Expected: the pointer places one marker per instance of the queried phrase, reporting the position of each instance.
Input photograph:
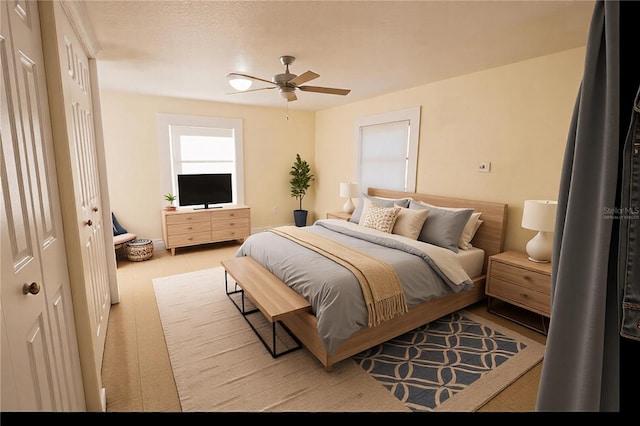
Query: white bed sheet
(472, 260)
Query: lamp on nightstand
(349, 191)
(540, 215)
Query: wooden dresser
(513, 278)
(182, 228)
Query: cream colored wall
(517, 117)
(270, 146)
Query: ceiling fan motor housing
(282, 79)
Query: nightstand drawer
(520, 277)
(522, 296)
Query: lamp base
(348, 206)
(538, 261)
(539, 248)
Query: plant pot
(300, 217)
(170, 208)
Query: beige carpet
(220, 365)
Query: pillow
(357, 215)
(470, 228)
(117, 228)
(478, 223)
(469, 231)
(409, 222)
(443, 227)
(381, 218)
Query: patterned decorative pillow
(381, 218)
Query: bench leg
(242, 307)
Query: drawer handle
(526, 277)
(190, 238)
(191, 227)
(232, 224)
(524, 295)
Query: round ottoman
(139, 250)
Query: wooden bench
(273, 298)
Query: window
(192, 144)
(388, 150)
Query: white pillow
(480, 222)
(469, 231)
(409, 222)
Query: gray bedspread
(426, 272)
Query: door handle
(88, 222)
(95, 209)
(33, 288)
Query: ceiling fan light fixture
(240, 83)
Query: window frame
(170, 124)
(412, 115)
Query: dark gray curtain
(581, 368)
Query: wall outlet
(484, 167)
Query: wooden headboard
(490, 236)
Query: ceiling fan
(286, 83)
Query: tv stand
(183, 228)
(207, 207)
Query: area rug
(219, 364)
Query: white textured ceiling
(185, 48)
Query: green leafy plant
(301, 179)
(170, 198)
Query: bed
(434, 279)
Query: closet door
(40, 358)
(69, 79)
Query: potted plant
(171, 199)
(300, 182)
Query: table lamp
(349, 191)
(540, 215)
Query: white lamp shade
(239, 83)
(539, 215)
(349, 190)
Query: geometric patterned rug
(429, 365)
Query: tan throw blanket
(380, 284)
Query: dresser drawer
(182, 218)
(230, 234)
(222, 225)
(521, 296)
(521, 277)
(189, 239)
(189, 228)
(227, 215)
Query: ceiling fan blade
(329, 90)
(304, 77)
(252, 90)
(235, 74)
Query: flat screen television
(208, 190)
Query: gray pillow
(443, 227)
(382, 202)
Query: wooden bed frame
(490, 238)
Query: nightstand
(520, 282)
(339, 215)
